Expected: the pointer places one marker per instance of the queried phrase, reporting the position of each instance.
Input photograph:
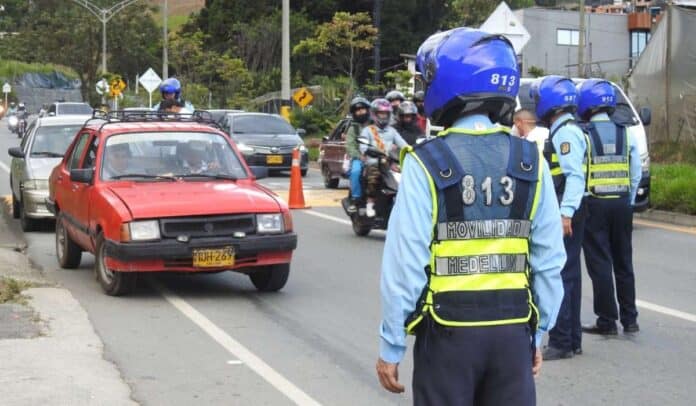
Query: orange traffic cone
(296, 195)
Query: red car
(151, 194)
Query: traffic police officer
(474, 221)
(565, 151)
(614, 174)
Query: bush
(315, 121)
(673, 187)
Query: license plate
(213, 258)
(274, 159)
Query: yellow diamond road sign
(302, 97)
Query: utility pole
(377, 15)
(581, 40)
(165, 42)
(285, 62)
(104, 15)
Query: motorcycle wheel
(359, 228)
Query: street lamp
(104, 15)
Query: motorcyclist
(407, 123)
(12, 110)
(383, 137)
(171, 90)
(395, 98)
(22, 116)
(360, 113)
(419, 101)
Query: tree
(472, 13)
(344, 40)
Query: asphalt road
(212, 339)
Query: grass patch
(668, 152)
(10, 69)
(673, 187)
(11, 290)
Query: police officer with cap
(565, 151)
(474, 221)
(614, 174)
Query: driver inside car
(116, 161)
(193, 155)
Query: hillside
(181, 7)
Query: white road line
(4, 167)
(640, 303)
(666, 310)
(235, 348)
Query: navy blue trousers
(482, 366)
(567, 333)
(609, 258)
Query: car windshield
(156, 156)
(77, 108)
(260, 124)
(54, 140)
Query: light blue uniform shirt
(633, 156)
(571, 163)
(406, 252)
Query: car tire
(112, 282)
(303, 172)
(28, 224)
(329, 182)
(69, 254)
(359, 228)
(15, 206)
(270, 278)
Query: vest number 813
(469, 190)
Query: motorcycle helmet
(468, 71)
(406, 108)
(381, 111)
(553, 94)
(171, 85)
(12, 104)
(358, 103)
(21, 105)
(595, 96)
(395, 95)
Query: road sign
(503, 21)
(150, 80)
(117, 86)
(6, 88)
(102, 86)
(303, 97)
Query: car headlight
(35, 184)
(245, 149)
(302, 148)
(269, 223)
(140, 231)
(645, 163)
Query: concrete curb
(669, 217)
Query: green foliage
(12, 69)
(673, 187)
(536, 72)
(315, 120)
(11, 290)
(472, 13)
(397, 79)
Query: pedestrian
(525, 126)
(614, 174)
(565, 150)
(474, 221)
(360, 118)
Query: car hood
(192, 198)
(40, 168)
(268, 140)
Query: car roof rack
(149, 116)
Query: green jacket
(352, 147)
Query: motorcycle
(384, 201)
(12, 123)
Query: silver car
(41, 150)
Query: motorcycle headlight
(35, 184)
(269, 223)
(13, 120)
(245, 149)
(140, 231)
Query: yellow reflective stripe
(455, 248)
(410, 328)
(433, 191)
(537, 192)
(554, 158)
(484, 281)
(609, 181)
(556, 171)
(402, 154)
(449, 323)
(496, 129)
(610, 167)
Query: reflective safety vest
(483, 206)
(551, 156)
(609, 170)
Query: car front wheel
(329, 182)
(68, 252)
(270, 278)
(113, 283)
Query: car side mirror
(259, 172)
(82, 175)
(645, 115)
(301, 132)
(16, 152)
(325, 138)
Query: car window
(91, 156)
(341, 129)
(260, 124)
(77, 108)
(143, 156)
(76, 154)
(52, 109)
(623, 114)
(53, 140)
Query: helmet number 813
(505, 80)
(469, 190)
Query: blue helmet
(553, 94)
(468, 71)
(171, 85)
(595, 95)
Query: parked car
(625, 114)
(42, 148)
(331, 154)
(174, 195)
(69, 108)
(266, 140)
